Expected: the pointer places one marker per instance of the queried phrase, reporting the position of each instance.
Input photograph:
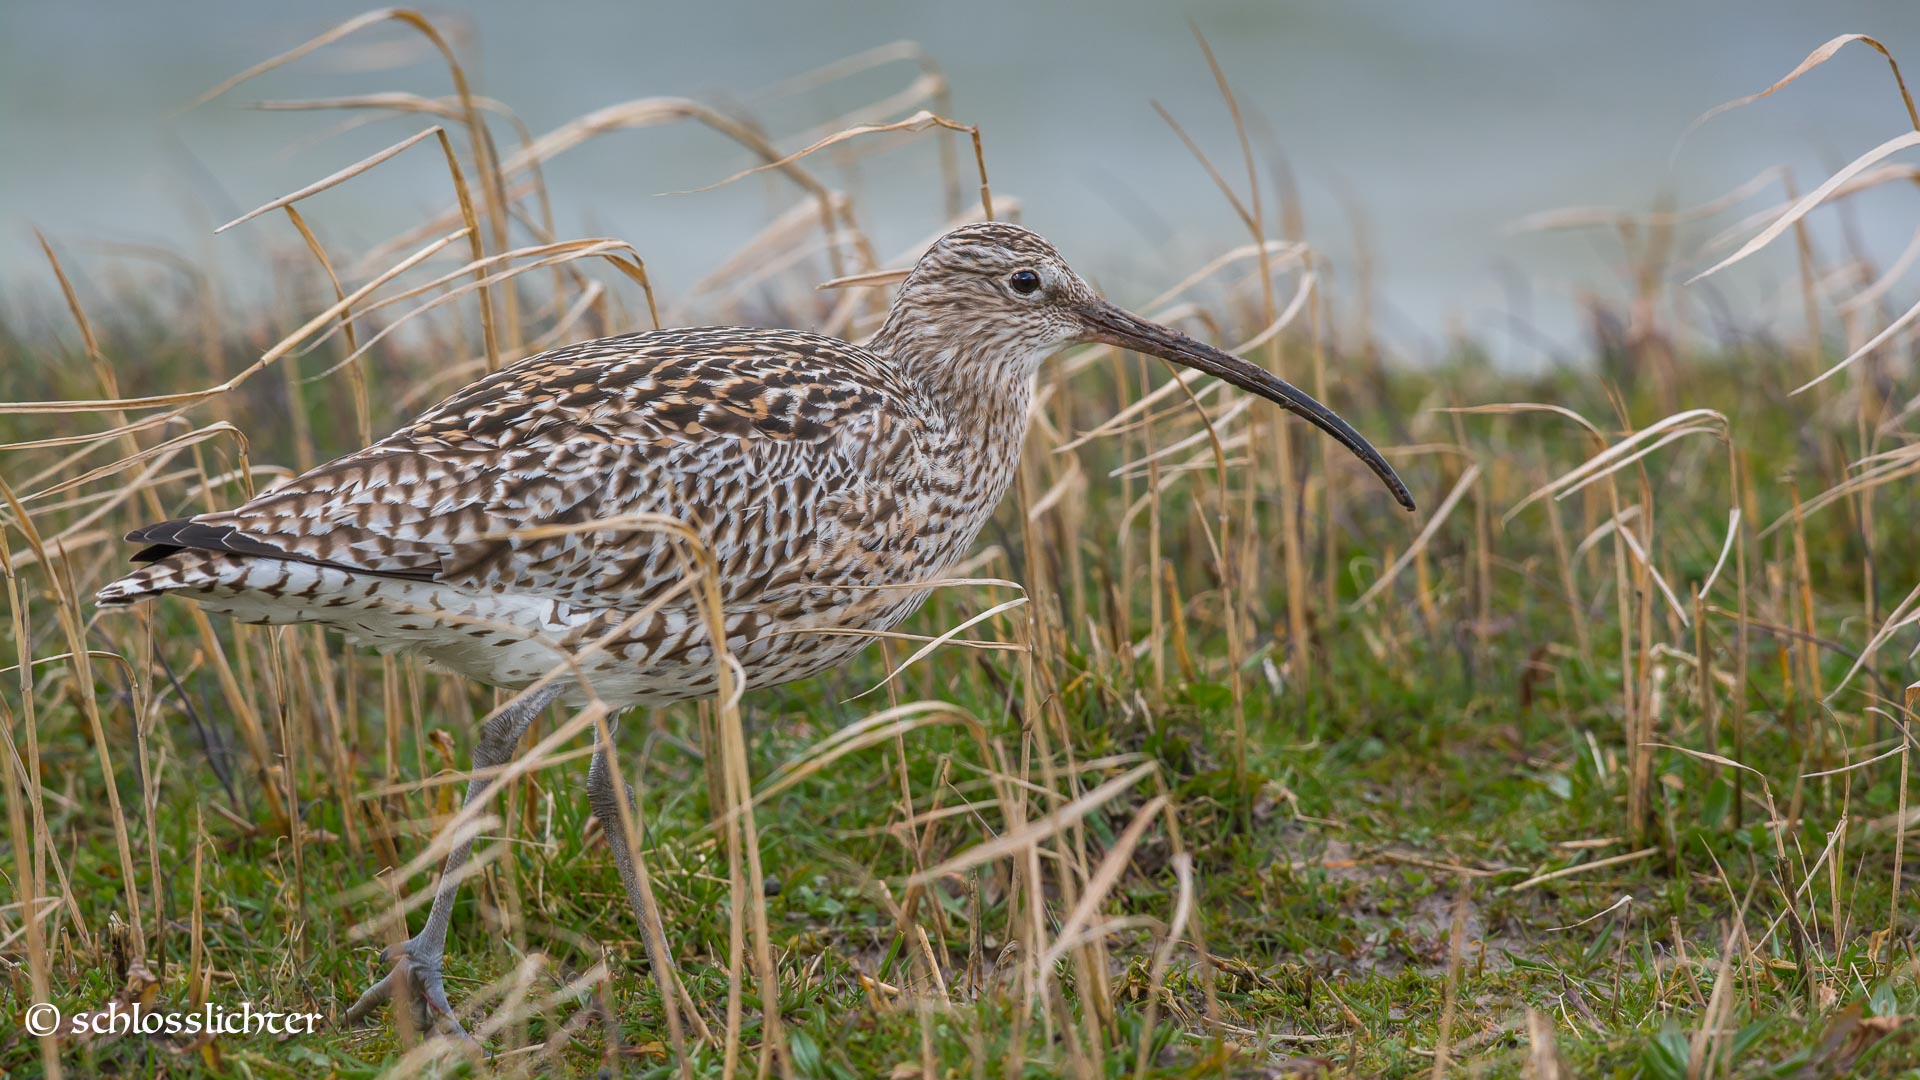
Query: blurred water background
(1419, 133)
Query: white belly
(511, 640)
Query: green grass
(1325, 889)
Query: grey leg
(416, 962)
(606, 806)
(604, 797)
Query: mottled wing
(781, 449)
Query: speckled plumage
(821, 475)
(815, 470)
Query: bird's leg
(416, 961)
(604, 796)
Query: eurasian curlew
(812, 469)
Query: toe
(374, 996)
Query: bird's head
(998, 291)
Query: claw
(419, 970)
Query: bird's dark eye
(1024, 282)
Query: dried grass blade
(1101, 884)
(1439, 518)
(942, 639)
(335, 178)
(1039, 829)
(1873, 292)
(919, 121)
(1814, 59)
(1811, 200)
(1873, 343)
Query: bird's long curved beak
(1112, 325)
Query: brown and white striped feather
(812, 469)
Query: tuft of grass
(1209, 762)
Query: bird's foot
(416, 969)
